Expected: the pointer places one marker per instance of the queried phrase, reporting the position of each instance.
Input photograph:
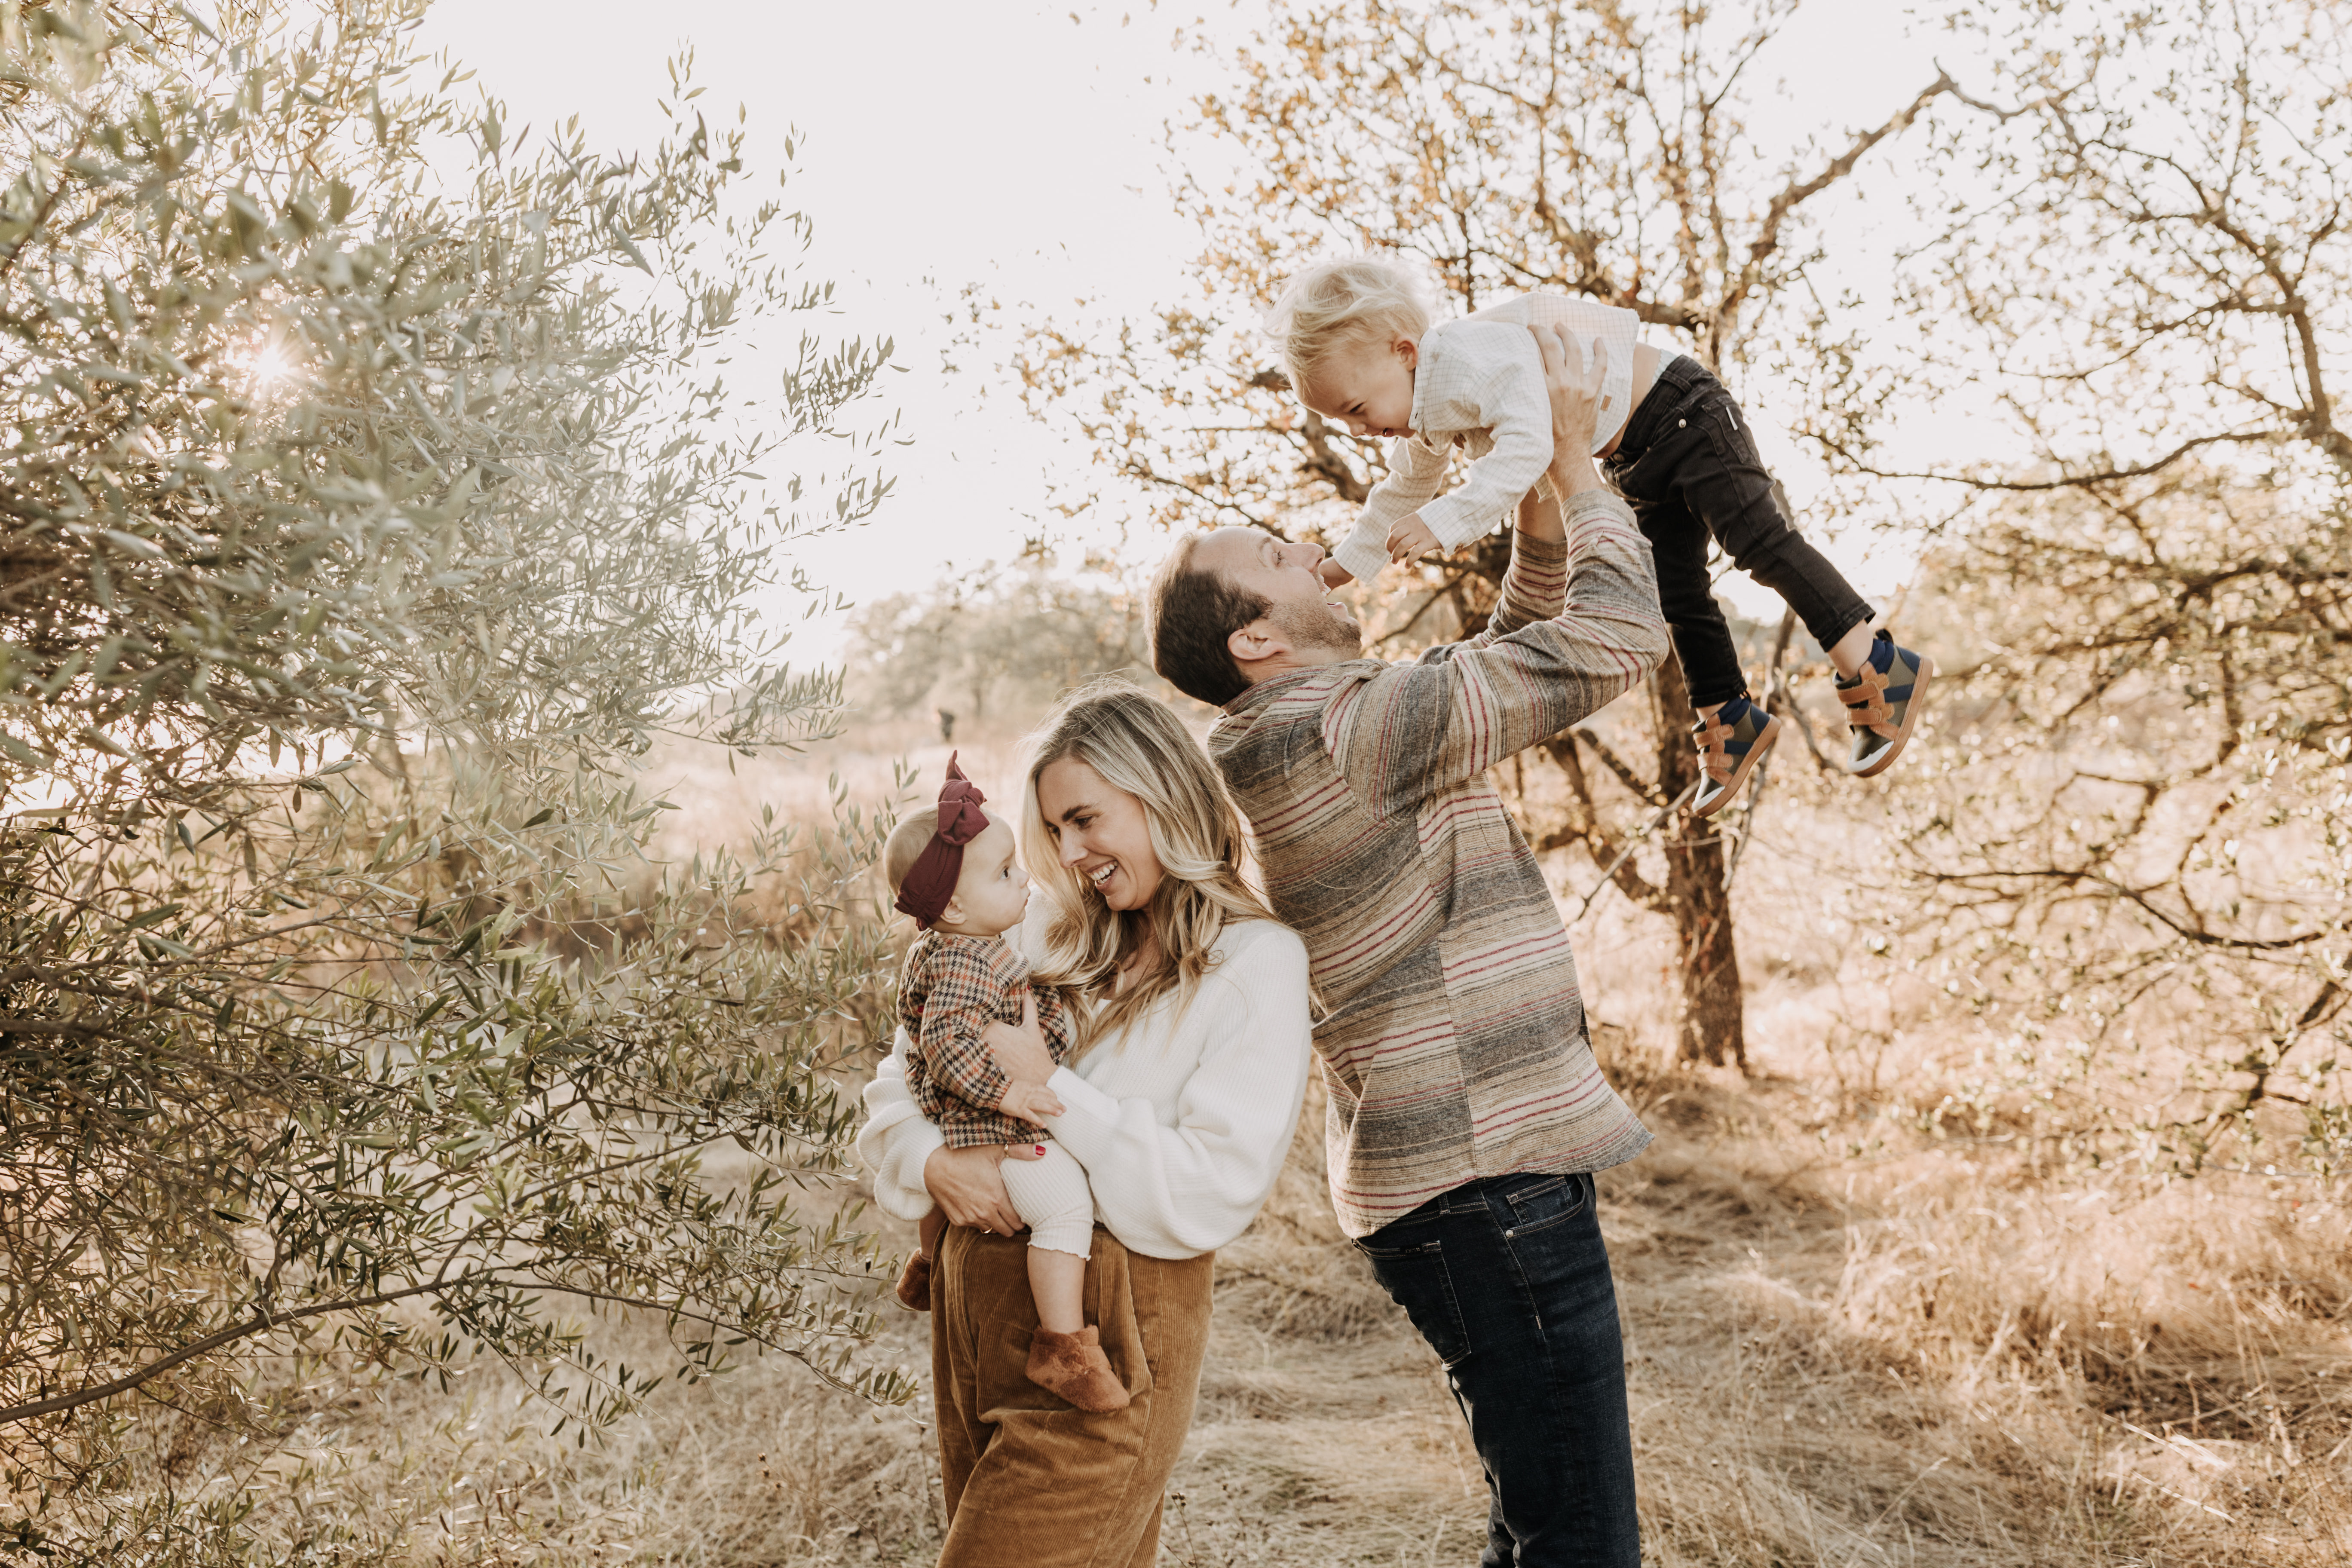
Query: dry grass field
(1855, 1337)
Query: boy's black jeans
(1508, 1281)
(1689, 468)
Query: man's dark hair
(1193, 612)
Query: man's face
(1301, 608)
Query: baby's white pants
(1053, 1197)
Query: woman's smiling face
(1099, 831)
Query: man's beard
(1317, 625)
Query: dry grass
(1850, 1342)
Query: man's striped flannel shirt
(1454, 1042)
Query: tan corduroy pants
(1031, 1482)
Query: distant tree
(357, 535)
(2140, 835)
(1598, 150)
(1009, 641)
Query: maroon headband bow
(932, 881)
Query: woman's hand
(1020, 1049)
(1575, 388)
(969, 1189)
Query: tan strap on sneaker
(1713, 758)
(1866, 704)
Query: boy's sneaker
(1729, 746)
(1883, 704)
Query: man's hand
(1031, 1102)
(1575, 389)
(1409, 537)
(1334, 575)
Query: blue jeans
(1508, 1281)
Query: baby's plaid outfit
(954, 986)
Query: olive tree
(362, 526)
(1010, 639)
(1598, 150)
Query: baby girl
(953, 869)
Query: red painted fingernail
(1040, 1148)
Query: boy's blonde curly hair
(1334, 304)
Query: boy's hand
(1334, 575)
(1031, 1102)
(1410, 537)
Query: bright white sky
(1012, 144)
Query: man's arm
(1579, 623)
(1414, 731)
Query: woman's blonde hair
(1136, 745)
(1359, 299)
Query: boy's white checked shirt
(1479, 384)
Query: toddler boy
(1358, 340)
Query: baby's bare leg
(1066, 1354)
(1058, 1280)
(1051, 1194)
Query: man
(1467, 1112)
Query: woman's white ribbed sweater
(1182, 1120)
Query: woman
(1179, 1100)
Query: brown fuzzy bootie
(915, 1283)
(1074, 1366)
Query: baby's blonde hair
(1335, 304)
(907, 843)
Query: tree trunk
(1713, 1024)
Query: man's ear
(1256, 643)
(1407, 351)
